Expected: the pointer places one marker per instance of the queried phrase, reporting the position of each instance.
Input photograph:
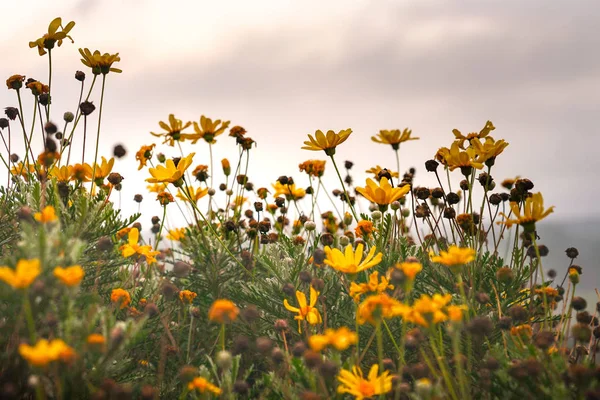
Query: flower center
(366, 388)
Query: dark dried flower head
(578, 303)
(505, 323)
(50, 128)
(264, 344)
(431, 165)
(87, 107)
(119, 151)
(572, 252)
(11, 112)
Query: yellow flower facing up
(314, 168)
(171, 173)
(45, 352)
(327, 142)
(82, 172)
(428, 310)
(192, 193)
(223, 311)
(379, 306)
(290, 191)
(455, 257)
(120, 297)
(532, 212)
(176, 234)
(208, 129)
(62, 174)
(70, 276)
(339, 339)
(54, 36)
(351, 262)
(203, 386)
(460, 138)
(377, 169)
(383, 193)
(48, 214)
(354, 383)
(489, 150)
(374, 285)
(132, 247)
(187, 296)
(410, 269)
(173, 130)
(98, 62)
(102, 170)
(144, 154)
(463, 159)
(393, 137)
(23, 276)
(306, 311)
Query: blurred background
(283, 69)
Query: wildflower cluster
(287, 290)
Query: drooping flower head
(314, 168)
(327, 142)
(54, 36)
(144, 154)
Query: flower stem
(98, 133)
(344, 188)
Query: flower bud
(223, 360)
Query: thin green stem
(98, 133)
(344, 189)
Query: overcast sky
(283, 69)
